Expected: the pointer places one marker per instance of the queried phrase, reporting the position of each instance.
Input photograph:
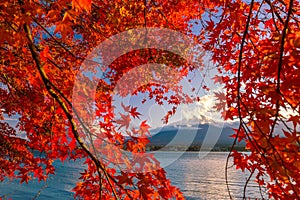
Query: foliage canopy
(255, 46)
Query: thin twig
(284, 32)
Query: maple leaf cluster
(43, 45)
(254, 45)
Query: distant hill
(193, 135)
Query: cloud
(203, 110)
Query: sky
(201, 111)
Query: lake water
(198, 178)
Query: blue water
(57, 186)
(198, 178)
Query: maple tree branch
(227, 162)
(281, 8)
(65, 48)
(284, 32)
(145, 13)
(240, 61)
(273, 16)
(239, 80)
(52, 92)
(258, 11)
(59, 43)
(52, 85)
(254, 144)
(239, 71)
(239, 75)
(260, 192)
(74, 128)
(293, 107)
(65, 109)
(276, 13)
(258, 148)
(246, 184)
(262, 151)
(56, 65)
(15, 54)
(286, 126)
